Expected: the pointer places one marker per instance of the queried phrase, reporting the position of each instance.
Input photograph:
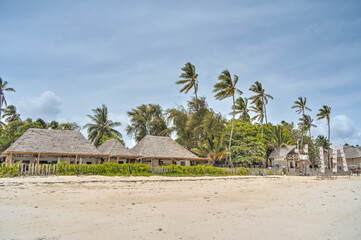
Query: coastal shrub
(199, 170)
(9, 171)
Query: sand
(97, 207)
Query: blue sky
(65, 58)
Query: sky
(65, 58)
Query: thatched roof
(350, 152)
(113, 147)
(281, 153)
(59, 142)
(162, 148)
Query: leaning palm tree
(260, 95)
(189, 79)
(101, 125)
(69, 126)
(300, 105)
(213, 148)
(10, 114)
(306, 122)
(325, 112)
(242, 109)
(3, 89)
(225, 88)
(258, 109)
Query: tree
(325, 112)
(3, 89)
(260, 95)
(225, 88)
(69, 126)
(300, 105)
(322, 141)
(10, 114)
(280, 138)
(242, 109)
(101, 125)
(105, 138)
(42, 123)
(213, 148)
(259, 110)
(189, 80)
(147, 119)
(53, 125)
(306, 123)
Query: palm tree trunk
(265, 112)
(1, 104)
(195, 93)
(303, 116)
(231, 135)
(329, 142)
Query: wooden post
(109, 159)
(76, 159)
(38, 162)
(117, 159)
(11, 158)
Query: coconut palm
(101, 125)
(213, 148)
(147, 119)
(300, 105)
(225, 88)
(69, 126)
(242, 109)
(306, 122)
(3, 89)
(325, 112)
(189, 79)
(258, 109)
(260, 95)
(279, 137)
(10, 114)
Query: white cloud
(46, 106)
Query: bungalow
(117, 153)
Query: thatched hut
(288, 159)
(157, 150)
(352, 154)
(117, 152)
(52, 146)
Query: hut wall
(33, 159)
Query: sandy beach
(97, 207)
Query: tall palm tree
(69, 126)
(259, 110)
(213, 148)
(147, 119)
(260, 95)
(279, 137)
(189, 79)
(225, 88)
(325, 112)
(10, 114)
(306, 122)
(101, 125)
(3, 89)
(242, 109)
(300, 105)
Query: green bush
(199, 170)
(9, 171)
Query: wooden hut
(288, 159)
(117, 152)
(352, 154)
(157, 150)
(52, 146)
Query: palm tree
(325, 112)
(189, 79)
(101, 125)
(300, 105)
(260, 95)
(306, 122)
(259, 110)
(224, 89)
(42, 123)
(10, 114)
(69, 126)
(242, 109)
(53, 125)
(147, 119)
(279, 137)
(213, 148)
(3, 89)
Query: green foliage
(213, 148)
(105, 138)
(105, 169)
(200, 170)
(9, 171)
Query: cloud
(47, 106)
